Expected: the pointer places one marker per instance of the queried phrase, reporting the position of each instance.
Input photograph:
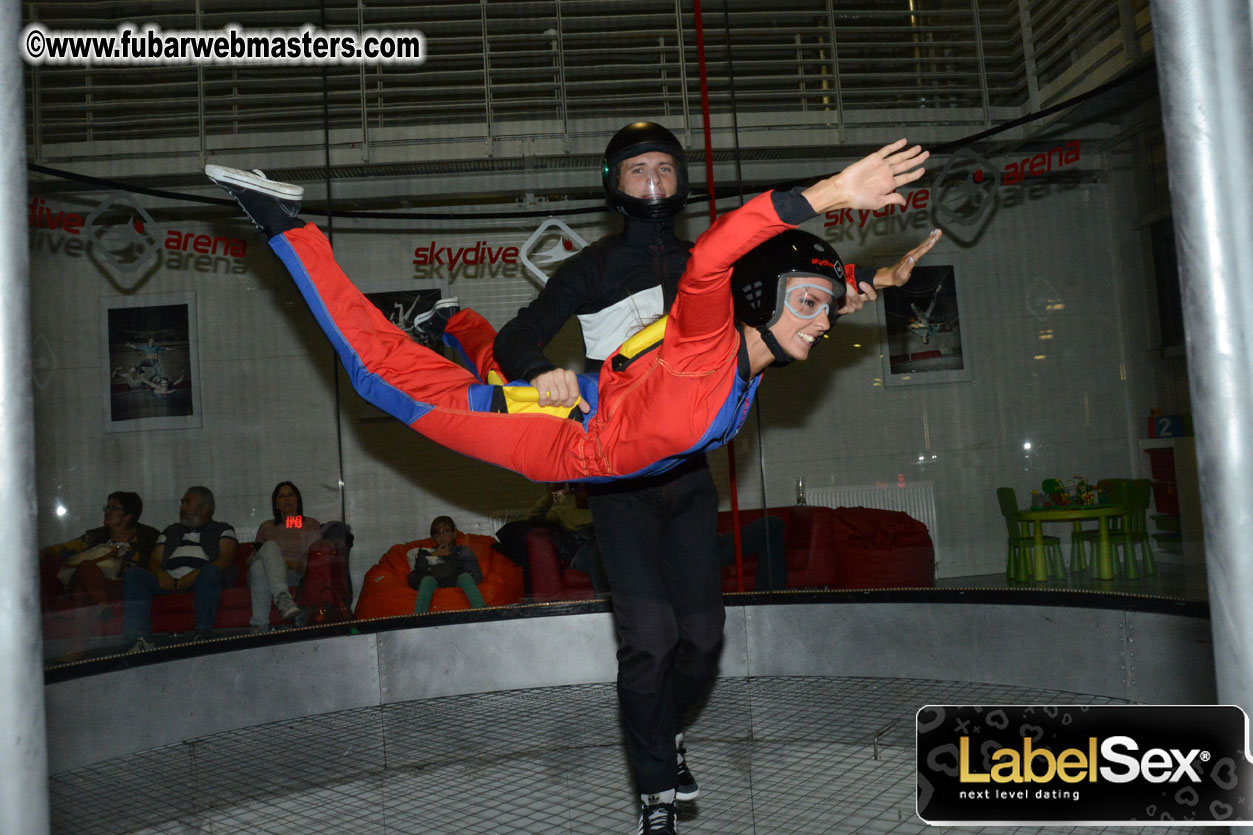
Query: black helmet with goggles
(760, 291)
(759, 280)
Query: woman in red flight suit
(655, 402)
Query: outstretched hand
(871, 182)
(894, 276)
(900, 272)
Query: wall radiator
(917, 499)
(498, 518)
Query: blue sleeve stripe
(480, 397)
(455, 343)
(369, 385)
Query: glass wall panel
(1036, 348)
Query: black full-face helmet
(635, 139)
(759, 279)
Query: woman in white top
(282, 553)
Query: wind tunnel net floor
(772, 755)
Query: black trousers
(658, 543)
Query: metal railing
(498, 69)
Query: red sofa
(325, 588)
(844, 548)
(386, 592)
(550, 578)
(841, 548)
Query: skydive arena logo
(120, 237)
(119, 229)
(1100, 765)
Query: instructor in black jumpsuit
(658, 535)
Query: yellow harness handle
(525, 399)
(522, 394)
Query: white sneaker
(290, 611)
(254, 180)
(287, 608)
(141, 645)
(270, 205)
(658, 815)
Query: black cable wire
(735, 111)
(947, 147)
(1130, 75)
(117, 185)
(739, 189)
(330, 237)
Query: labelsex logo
(1039, 765)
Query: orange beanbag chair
(386, 591)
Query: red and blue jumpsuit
(686, 394)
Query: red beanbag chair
(386, 591)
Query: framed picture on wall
(400, 307)
(151, 367)
(922, 327)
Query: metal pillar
(1204, 52)
(23, 749)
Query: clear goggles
(806, 300)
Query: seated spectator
(445, 566)
(385, 589)
(280, 558)
(763, 537)
(564, 510)
(190, 554)
(93, 562)
(563, 504)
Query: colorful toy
(1076, 492)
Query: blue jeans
(139, 586)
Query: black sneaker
(685, 787)
(270, 205)
(658, 818)
(431, 324)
